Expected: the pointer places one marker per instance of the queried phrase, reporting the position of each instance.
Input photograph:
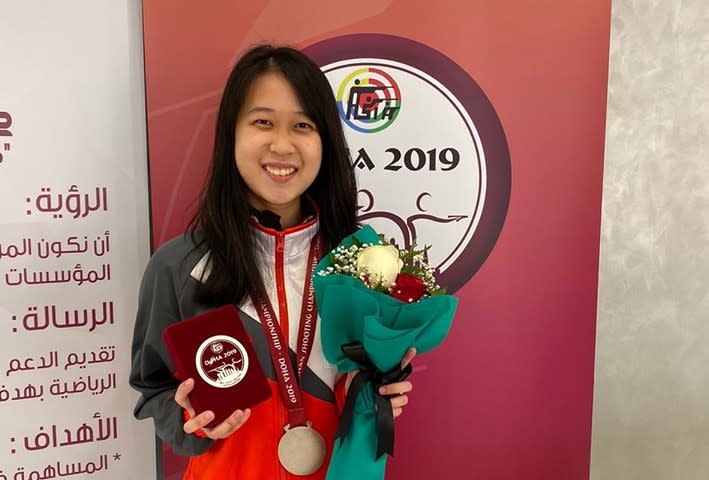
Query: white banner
(74, 239)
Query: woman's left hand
(398, 390)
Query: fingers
(398, 403)
(230, 425)
(398, 388)
(198, 422)
(408, 356)
(182, 395)
(398, 392)
(223, 430)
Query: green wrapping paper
(352, 313)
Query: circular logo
(368, 99)
(440, 173)
(222, 361)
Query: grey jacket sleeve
(151, 368)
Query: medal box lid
(214, 349)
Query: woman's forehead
(272, 93)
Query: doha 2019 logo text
(429, 150)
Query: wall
(652, 381)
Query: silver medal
(301, 450)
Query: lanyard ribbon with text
(287, 381)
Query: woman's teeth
(280, 172)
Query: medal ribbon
(288, 384)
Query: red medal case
(215, 350)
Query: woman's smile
(279, 173)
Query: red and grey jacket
(167, 296)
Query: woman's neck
(290, 218)
(289, 215)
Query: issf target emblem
(369, 100)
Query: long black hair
(221, 222)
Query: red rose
(408, 288)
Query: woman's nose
(281, 143)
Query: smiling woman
(278, 148)
(281, 191)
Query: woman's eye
(262, 121)
(304, 125)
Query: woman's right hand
(197, 422)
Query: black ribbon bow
(370, 373)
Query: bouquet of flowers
(375, 302)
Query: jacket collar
(295, 240)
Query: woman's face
(278, 149)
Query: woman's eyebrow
(271, 110)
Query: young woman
(280, 177)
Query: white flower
(381, 263)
